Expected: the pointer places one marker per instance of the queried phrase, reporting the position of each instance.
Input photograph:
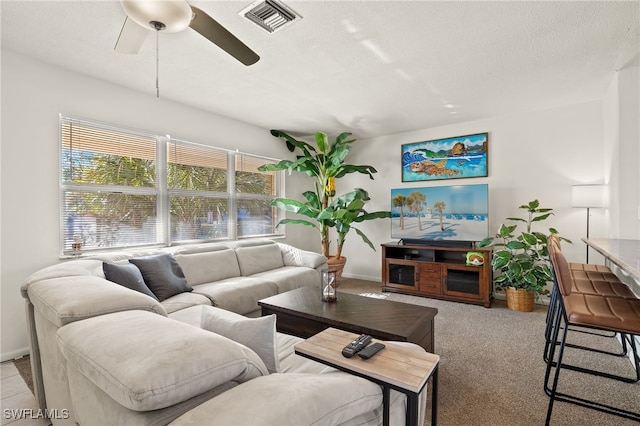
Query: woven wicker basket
(520, 299)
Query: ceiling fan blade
(131, 37)
(217, 34)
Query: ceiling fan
(174, 16)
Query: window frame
(163, 192)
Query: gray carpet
(492, 371)
(24, 369)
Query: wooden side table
(395, 367)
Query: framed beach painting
(450, 158)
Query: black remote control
(370, 350)
(356, 346)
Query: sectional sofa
(173, 336)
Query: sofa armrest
(157, 362)
(74, 268)
(69, 299)
(294, 256)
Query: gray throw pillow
(127, 275)
(163, 275)
(258, 334)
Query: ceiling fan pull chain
(157, 63)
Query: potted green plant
(522, 258)
(325, 162)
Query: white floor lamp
(589, 196)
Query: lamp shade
(589, 196)
(174, 14)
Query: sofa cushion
(162, 274)
(289, 399)
(258, 334)
(253, 260)
(291, 277)
(127, 275)
(290, 362)
(239, 295)
(206, 267)
(184, 300)
(158, 362)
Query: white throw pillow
(258, 334)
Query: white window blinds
(123, 188)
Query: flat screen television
(458, 213)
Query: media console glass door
(401, 274)
(462, 281)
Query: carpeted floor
(24, 368)
(492, 371)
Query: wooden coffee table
(302, 313)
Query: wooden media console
(437, 272)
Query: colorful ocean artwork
(451, 158)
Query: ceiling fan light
(174, 14)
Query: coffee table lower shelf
(397, 367)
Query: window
(123, 188)
(254, 191)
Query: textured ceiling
(370, 67)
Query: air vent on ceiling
(270, 15)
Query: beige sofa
(103, 353)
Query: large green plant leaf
(293, 143)
(297, 222)
(531, 206)
(365, 239)
(486, 242)
(499, 263)
(335, 157)
(530, 239)
(295, 206)
(372, 215)
(515, 269)
(347, 168)
(541, 217)
(506, 231)
(322, 141)
(312, 199)
(516, 245)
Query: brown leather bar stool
(588, 267)
(609, 288)
(612, 314)
(591, 279)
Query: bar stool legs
(561, 324)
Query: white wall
(539, 154)
(622, 150)
(622, 139)
(33, 94)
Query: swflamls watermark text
(30, 413)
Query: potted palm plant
(325, 162)
(522, 258)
